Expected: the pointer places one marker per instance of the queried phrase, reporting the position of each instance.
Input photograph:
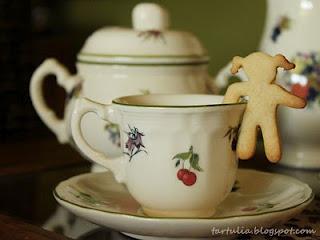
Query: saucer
(258, 199)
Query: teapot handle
(105, 112)
(210, 85)
(65, 80)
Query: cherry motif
(181, 173)
(185, 175)
(189, 178)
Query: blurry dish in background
(118, 61)
(290, 30)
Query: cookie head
(260, 67)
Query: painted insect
(134, 144)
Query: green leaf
(194, 162)
(183, 156)
(85, 194)
(268, 205)
(191, 149)
(177, 163)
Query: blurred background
(32, 162)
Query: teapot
(290, 30)
(118, 61)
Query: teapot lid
(148, 42)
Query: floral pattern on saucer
(259, 207)
(105, 202)
(269, 193)
(86, 197)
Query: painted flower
(249, 209)
(134, 144)
(233, 134)
(134, 140)
(304, 80)
(300, 90)
(317, 71)
(313, 93)
(282, 24)
(145, 91)
(152, 34)
(259, 207)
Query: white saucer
(260, 200)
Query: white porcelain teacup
(178, 150)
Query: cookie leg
(246, 146)
(271, 141)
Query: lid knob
(149, 16)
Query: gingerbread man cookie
(264, 95)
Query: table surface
(21, 164)
(15, 229)
(37, 155)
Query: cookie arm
(286, 98)
(284, 63)
(234, 92)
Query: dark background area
(32, 162)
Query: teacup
(178, 156)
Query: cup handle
(65, 80)
(105, 112)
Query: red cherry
(300, 90)
(189, 178)
(181, 173)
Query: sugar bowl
(118, 61)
